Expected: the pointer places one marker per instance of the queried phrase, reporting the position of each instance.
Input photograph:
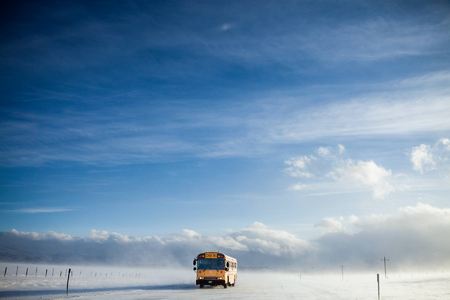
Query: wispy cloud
(377, 39)
(95, 120)
(363, 41)
(41, 210)
(395, 113)
(272, 37)
(125, 134)
(226, 27)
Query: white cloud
(298, 166)
(191, 233)
(331, 165)
(103, 235)
(323, 151)
(330, 225)
(99, 235)
(43, 236)
(260, 238)
(426, 158)
(367, 173)
(422, 158)
(227, 242)
(445, 142)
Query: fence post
(67, 285)
(46, 270)
(378, 283)
(26, 273)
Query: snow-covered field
(136, 283)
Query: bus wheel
(201, 286)
(225, 286)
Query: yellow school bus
(215, 268)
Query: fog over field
(97, 282)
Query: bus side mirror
(194, 268)
(194, 262)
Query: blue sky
(151, 117)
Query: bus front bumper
(211, 282)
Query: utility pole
(67, 285)
(378, 283)
(385, 260)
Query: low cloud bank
(415, 236)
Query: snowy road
(170, 284)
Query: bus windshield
(211, 264)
